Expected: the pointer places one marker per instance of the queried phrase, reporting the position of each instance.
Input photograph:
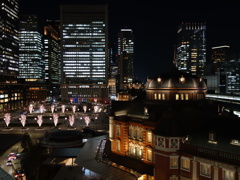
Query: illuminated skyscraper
(11, 92)
(52, 58)
(125, 51)
(31, 63)
(9, 41)
(51, 53)
(191, 48)
(84, 47)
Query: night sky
(155, 26)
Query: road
(31, 127)
(3, 159)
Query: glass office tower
(126, 52)
(84, 47)
(31, 62)
(12, 94)
(191, 48)
(9, 41)
(51, 53)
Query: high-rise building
(31, 62)
(51, 47)
(113, 78)
(84, 47)
(51, 54)
(9, 40)
(126, 52)
(191, 48)
(12, 94)
(220, 53)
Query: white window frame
(205, 170)
(173, 162)
(173, 177)
(149, 136)
(118, 145)
(149, 154)
(228, 174)
(184, 166)
(118, 130)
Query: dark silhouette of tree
(26, 142)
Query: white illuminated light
(182, 79)
(159, 79)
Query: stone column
(111, 128)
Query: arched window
(149, 153)
(155, 96)
(177, 96)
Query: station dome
(176, 85)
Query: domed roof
(176, 79)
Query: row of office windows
(181, 96)
(136, 133)
(136, 150)
(205, 169)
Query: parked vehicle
(9, 163)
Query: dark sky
(155, 26)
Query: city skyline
(155, 27)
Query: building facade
(174, 133)
(191, 48)
(31, 62)
(12, 94)
(126, 57)
(84, 47)
(51, 47)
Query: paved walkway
(89, 168)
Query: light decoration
(95, 109)
(52, 108)
(55, 119)
(63, 108)
(74, 109)
(23, 119)
(71, 120)
(7, 118)
(30, 108)
(182, 79)
(39, 120)
(84, 108)
(159, 79)
(41, 108)
(87, 120)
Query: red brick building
(171, 132)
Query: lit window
(205, 170)
(173, 162)
(174, 177)
(155, 96)
(182, 96)
(186, 96)
(118, 130)
(149, 154)
(118, 145)
(163, 96)
(149, 136)
(159, 96)
(228, 175)
(177, 96)
(185, 163)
